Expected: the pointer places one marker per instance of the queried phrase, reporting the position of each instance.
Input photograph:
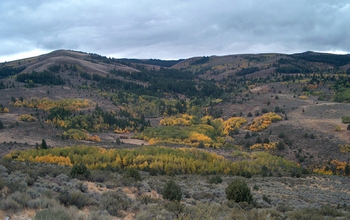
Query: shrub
(280, 145)
(247, 135)
(266, 140)
(175, 207)
(337, 128)
(239, 191)
(79, 170)
(20, 198)
(345, 119)
(10, 205)
(27, 118)
(133, 173)
(330, 211)
(215, 180)
(41, 203)
(258, 140)
(76, 198)
(50, 213)
(266, 199)
(172, 191)
(348, 127)
(201, 145)
(281, 135)
(115, 202)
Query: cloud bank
(173, 29)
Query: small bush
(115, 202)
(79, 171)
(76, 198)
(10, 205)
(57, 214)
(284, 208)
(145, 199)
(337, 128)
(215, 180)
(258, 140)
(266, 199)
(175, 207)
(280, 145)
(266, 140)
(172, 191)
(305, 214)
(21, 198)
(281, 135)
(41, 203)
(133, 173)
(27, 118)
(330, 211)
(345, 119)
(239, 191)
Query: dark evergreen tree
(239, 191)
(79, 170)
(43, 144)
(347, 169)
(172, 191)
(258, 140)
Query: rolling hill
(268, 118)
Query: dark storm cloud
(173, 29)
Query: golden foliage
(121, 131)
(182, 120)
(232, 124)
(264, 146)
(4, 110)
(303, 97)
(262, 122)
(334, 167)
(93, 138)
(65, 161)
(27, 118)
(161, 159)
(47, 104)
(344, 148)
(77, 134)
(196, 137)
(337, 128)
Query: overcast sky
(172, 29)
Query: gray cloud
(173, 29)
